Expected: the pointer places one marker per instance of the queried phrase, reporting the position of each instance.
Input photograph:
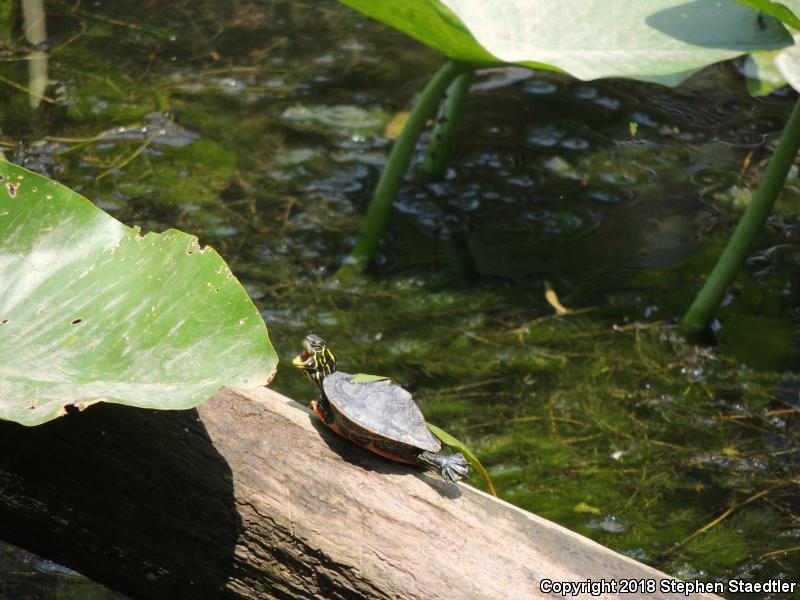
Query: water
(260, 128)
(25, 576)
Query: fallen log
(249, 497)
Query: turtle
(375, 413)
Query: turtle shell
(383, 408)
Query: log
(249, 497)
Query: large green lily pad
(663, 41)
(90, 310)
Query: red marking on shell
(371, 447)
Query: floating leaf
(468, 454)
(663, 41)
(366, 377)
(92, 311)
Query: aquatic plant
(661, 41)
(91, 310)
(755, 216)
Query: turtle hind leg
(450, 466)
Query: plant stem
(447, 121)
(378, 213)
(705, 304)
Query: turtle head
(316, 359)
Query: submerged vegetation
(262, 128)
(623, 432)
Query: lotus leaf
(663, 41)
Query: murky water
(260, 127)
(25, 576)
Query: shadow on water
(150, 480)
(25, 576)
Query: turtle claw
(455, 468)
(451, 467)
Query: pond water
(262, 127)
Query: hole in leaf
(76, 321)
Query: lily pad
(663, 41)
(90, 310)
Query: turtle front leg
(450, 466)
(322, 407)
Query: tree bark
(250, 497)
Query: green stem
(447, 122)
(378, 213)
(702, 310)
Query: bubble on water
(609, 524)
(733, 107)
(545, 137)
(561, 167)
(607, 102)
(539, 87)
(687, 572)
(585, 92)
(624, 174)
(636, 554)
(608, 195)
(524, 181)
(574, 143)
(644, 120)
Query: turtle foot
(451, 467)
